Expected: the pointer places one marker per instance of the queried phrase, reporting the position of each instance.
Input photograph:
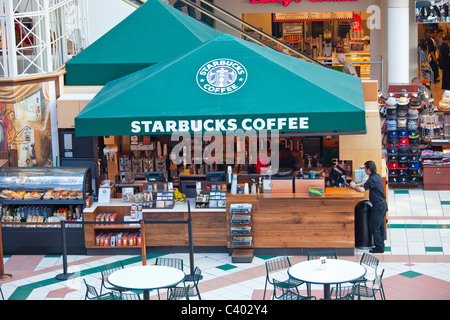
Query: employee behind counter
(336, 176)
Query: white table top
(337, 271)
(146, 277)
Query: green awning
(153, 32)
(224, 85)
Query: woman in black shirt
(379, 206)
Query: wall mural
(25, 123)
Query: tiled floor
(416, 261)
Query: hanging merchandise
(111, 153)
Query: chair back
(377, 281)
(91, 292)
(287, 293)
(197, 275)
(318, 254)
(277, 264)
(109, 268)
(179, 293)
(369, 260)
(125, 296)
(170, 262)
(371, 264)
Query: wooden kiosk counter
(290, 222)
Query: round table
(337, 271)
(146, 278)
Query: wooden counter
(291, 221)
(280, 220)
(209, 225)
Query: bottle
(234, 184)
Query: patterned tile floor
(416, 261)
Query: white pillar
(398, 41)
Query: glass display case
(37, 198)
(43, 194)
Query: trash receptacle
(363, 238)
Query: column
(398, 41)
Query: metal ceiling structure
(40, 36)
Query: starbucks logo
(221, 76)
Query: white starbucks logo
(221, 76)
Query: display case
(33, 203)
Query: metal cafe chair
(177, 293)
(92, 294)
(279, 264)
(169, 262)
(125, 295)
(370, 291)
(317, 255)
(287, 292)
(342, 293)
(371, 264)
(106, 270)
(1, 292)
(193, 290)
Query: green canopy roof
(224, 85)
(153, 32)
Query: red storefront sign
(288, 2)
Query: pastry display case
(33, 202)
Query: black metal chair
(342, 293)
(287, 292)
(193, 290)
(317, 255)
(177, 293)
(106, 270)
(125, 295)
(370, 263)
(362, 289)
(279, 264)
(1, 292)
(170, 262)
(92, 294)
